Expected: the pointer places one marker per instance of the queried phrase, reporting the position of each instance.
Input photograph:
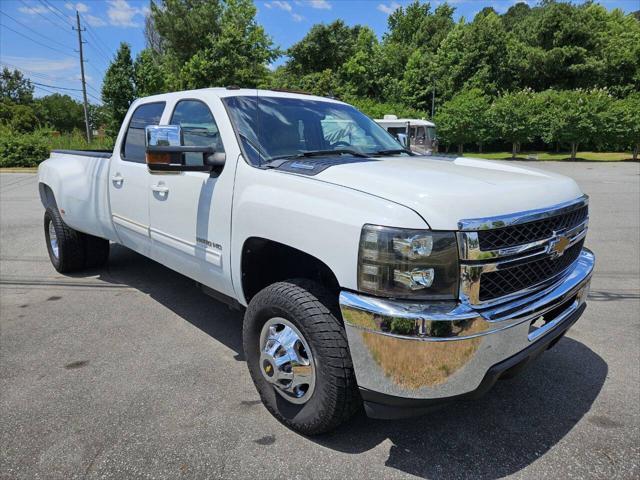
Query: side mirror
(165, 151)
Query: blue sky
(36, 35)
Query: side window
(199, 129)
(144, 115)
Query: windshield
(276, 127)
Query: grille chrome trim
(522, 217)
(469, 242)
(475, 262)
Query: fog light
(415, 279)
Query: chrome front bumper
(444, 349)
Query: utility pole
(433, 102)
(84, 83)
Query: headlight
(402, 263)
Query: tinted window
(144, 115)
(199, 129)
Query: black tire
(314, 312)
(71, 247)
(96, 251)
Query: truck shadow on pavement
(512, 426)
(515, 424)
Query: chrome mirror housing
(163, 136)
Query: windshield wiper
(395, 151)
(277, 161)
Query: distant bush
(22, 150)
(29, 149)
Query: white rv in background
(421, 133)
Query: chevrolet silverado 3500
(369, 275)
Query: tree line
(555, 74)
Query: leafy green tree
(360, 73)
(567, 46)
(182, 28)
(202, 43)
(325, 46)
(514, 117)
(14, 87)
(572, 116)
(118, 88)
(624, 118)
(419, 80)
(476, 56)
(60, 112)
(98, 116)
(239, 55)
(19, 118)
(148, 76)
(463, 119)
(417, 26)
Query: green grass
(562, 156)
(18, 169)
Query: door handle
(117, 178)
(160, 189)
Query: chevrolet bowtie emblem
(558, 246)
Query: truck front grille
(521, 276)
(504, 257)
(532, 231)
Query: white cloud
(296, 17)
(121, 14)
(34, 10)
(41, 65)
(286, 6)
(80, 7)
(388, 9)
(268, 5)
(320, 4)
(94, 21)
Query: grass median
(551, 156)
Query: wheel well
(265, 262)
(47, 197)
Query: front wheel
(298, 357)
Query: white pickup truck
(370, 276)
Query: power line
(56, 12)
(95, 69)
(53, 86)
(94, 89)
(98, 42)
(46, 90)
(33, 31)
(35, 41)
(43, 85)
(46, 18)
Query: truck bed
(80, 180)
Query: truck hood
(444, 190)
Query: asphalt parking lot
(131, 372)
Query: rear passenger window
(199, 129)
(144, 115)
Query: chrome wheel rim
(53, 240)
(286, 361)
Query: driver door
(189, 211)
